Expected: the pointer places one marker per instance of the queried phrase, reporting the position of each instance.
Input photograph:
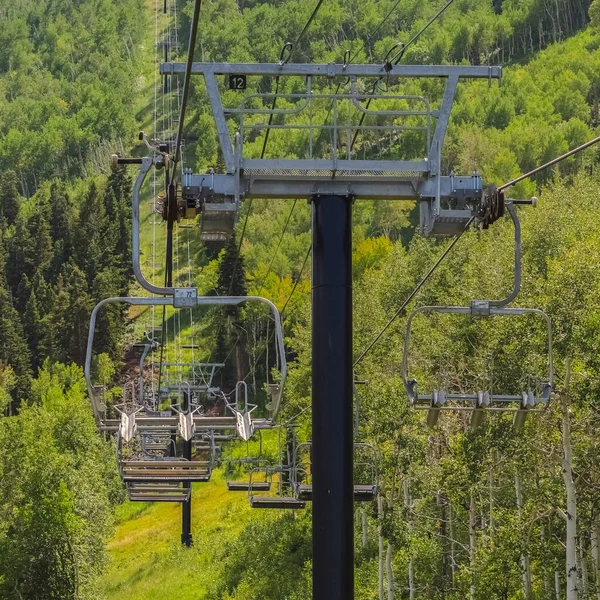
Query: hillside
(480, 513)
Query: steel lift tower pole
(186, 507)
(332, 432)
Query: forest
(486, 512)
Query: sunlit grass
(147, 561)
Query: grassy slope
(146, 559)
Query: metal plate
(185, 297)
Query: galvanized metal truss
(447, 202)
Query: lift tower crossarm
(334, 70)
(333, 166)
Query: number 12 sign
(237, 82)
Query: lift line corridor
(332, 174)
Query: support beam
(332, 70)
(186, 506)
(332, 379)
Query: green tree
(10, 200)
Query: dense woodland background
(489, 513)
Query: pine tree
(231, 282)
(13, 347)
(232, 277)
(29, 249)
(117, 205)
(32, 327)
(10, 200)
(109, 326)
(61, 227)
(76, 315)
(92, 236)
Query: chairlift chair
(365, 472)
(278, 499)
(480, 401)
(157, 492)
(239, 485)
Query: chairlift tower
(331, 173)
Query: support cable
(284, 57)
(549, 164)
(414, 292)
(282, 312)
(186, 82)
(419, 33)
(274, 255)
(387, 65)
(449, 248)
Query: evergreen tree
(29, 249)
(61, 227)
(10, 200)
(231, 282)
(94, 244)
(13, 347)
(109, 326)
(32, 324)
(232, 277)
(76, 316)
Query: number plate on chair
(185, 297)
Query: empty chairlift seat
(165, 470)
(365, 472)
(282, 502)
(277, 499)
(362, 492)
(244, 486)
(158, 492)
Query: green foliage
(59, 481)
(66, 85)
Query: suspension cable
(394, 61)
(550, 163)
(455, 240)
(421, 31)
(274, 255)
(414, 292)
(282, 312)
(297, 281)
(284, 57)
(186, 82)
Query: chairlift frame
(482, 401)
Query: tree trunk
(547, 573)
(452, 541)
(567, 470)
(491, 497)
(583, 571)
(407, 505)
(557, 584)
(525, 566)
(472, 540)
(390, 572)
(380, 531)
(595, 540)
(364, 526)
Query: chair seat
(362, 493)
(244, 486)
(158, 497)
(276, 502)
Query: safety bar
(411, 385)
(198, 301)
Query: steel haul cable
(283, 59)
(453, 243)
